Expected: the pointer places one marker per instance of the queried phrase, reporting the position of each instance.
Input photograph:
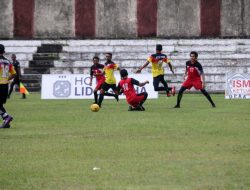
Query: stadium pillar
(146, 18)
(23, 18)
(210, 18)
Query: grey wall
(246, 14)
(116, 18)
(54, 18)
(235, 18)
(6, 19)
(178, 18)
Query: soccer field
(61, 144)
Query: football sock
(2, 111)
(179, 97)
(208, 97)
(100, 99)
(95, 96)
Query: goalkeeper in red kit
(126, 85)
(195, 78)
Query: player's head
(96, 60)
(2, 48)
(194, 53)
(13, 56)
(108, 56)
(158, 47)
(124, 73)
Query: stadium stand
(218, 56)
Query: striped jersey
(6, 68)
(109, 69)
(157, 61)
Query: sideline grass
(55, 144)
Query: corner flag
(23, 90)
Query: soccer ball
(94, 107)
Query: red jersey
(127, 86)
(95, 69)
(194, 71)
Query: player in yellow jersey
(110, 81)
(157, 60)
(7, 72)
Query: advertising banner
(76, 86)
(237, 86)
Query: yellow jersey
(157, 61)
(109, 69)
(6, 68)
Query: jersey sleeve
(116, 66)
(166, 60)
(18, 64)
(200, 68)
(91, 71)
(136, 82)
(186, 65)
(150, 59)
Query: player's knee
(182, 90)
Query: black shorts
(106, 87)
(158, 79)
(4, 88)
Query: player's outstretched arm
(91, 79)
(170, 67)
(143, 83)
(142, 67)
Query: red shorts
(135, 100)
(99, 84)
(197, 84)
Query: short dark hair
(158, 47)
(109, 54)
(195, 53)
(96, 57)
(2, 48)
(124, 73)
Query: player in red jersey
(195, 78)
(126, 85)
(96, 70)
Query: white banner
(237, 86)
(76, 86)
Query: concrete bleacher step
(49, 48)
(37, 70)
(218, 56)
(42, 61)
(32, 82)
(45, 56)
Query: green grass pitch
(61, 144)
